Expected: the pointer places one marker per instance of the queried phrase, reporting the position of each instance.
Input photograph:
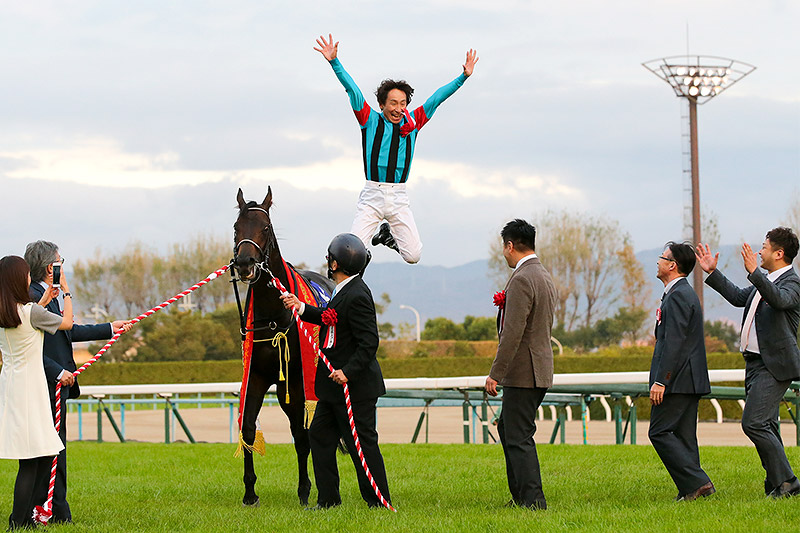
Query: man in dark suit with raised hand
(523, 365)
(679, 374)
(59, 364)
(349, 339)
(769, 345)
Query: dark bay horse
(256, 259)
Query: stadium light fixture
(698, 79)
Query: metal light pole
(417, 314)
(698, 79)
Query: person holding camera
(26, 431)
(45, 264)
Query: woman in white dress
(26, 421)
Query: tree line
(604, 297)
(138, 277)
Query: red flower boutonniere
(329, 317)
(500, 299)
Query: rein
(272, 325)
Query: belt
(751, 356)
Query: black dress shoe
(706, 490)
(539, 505)
(322, 507)
(377, 505)
(786, 489)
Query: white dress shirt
(752, 339)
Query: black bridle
(261, 262)
(260, 266)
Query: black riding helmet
(350, 253)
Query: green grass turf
(184, 487)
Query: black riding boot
(384, 237)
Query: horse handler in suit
(679, 374)
(768, 343)
(523, 365)
(59, 363)
(349, 338)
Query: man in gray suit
(523, 365)
(768, 343)
(679, 374)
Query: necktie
(748, 321)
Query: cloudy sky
(139, 120)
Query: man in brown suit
(523, 365)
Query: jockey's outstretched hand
(469, 65)
(327, 48)
(290, 301)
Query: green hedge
(220, 371)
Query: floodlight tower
(698, 79)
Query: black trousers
(673, 433)
(61, 511)
(329, 425)
(516, 427)
(30, 471)
(760, 421)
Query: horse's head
(252, 235)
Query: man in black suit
(59, 364)
(769, 345)
(679, 374)
(349, 338)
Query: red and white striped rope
(328, 364)
(43, 513)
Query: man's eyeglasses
(666, 258)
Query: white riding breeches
(387, 201)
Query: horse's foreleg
(252, 406)
(250, 497)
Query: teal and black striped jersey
(388, 148)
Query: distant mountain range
(455, 292)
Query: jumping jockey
(388, 146)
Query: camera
(57, 274)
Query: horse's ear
(240, 199)
(268, 200)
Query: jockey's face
(394, 106)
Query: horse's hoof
(255, 503)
